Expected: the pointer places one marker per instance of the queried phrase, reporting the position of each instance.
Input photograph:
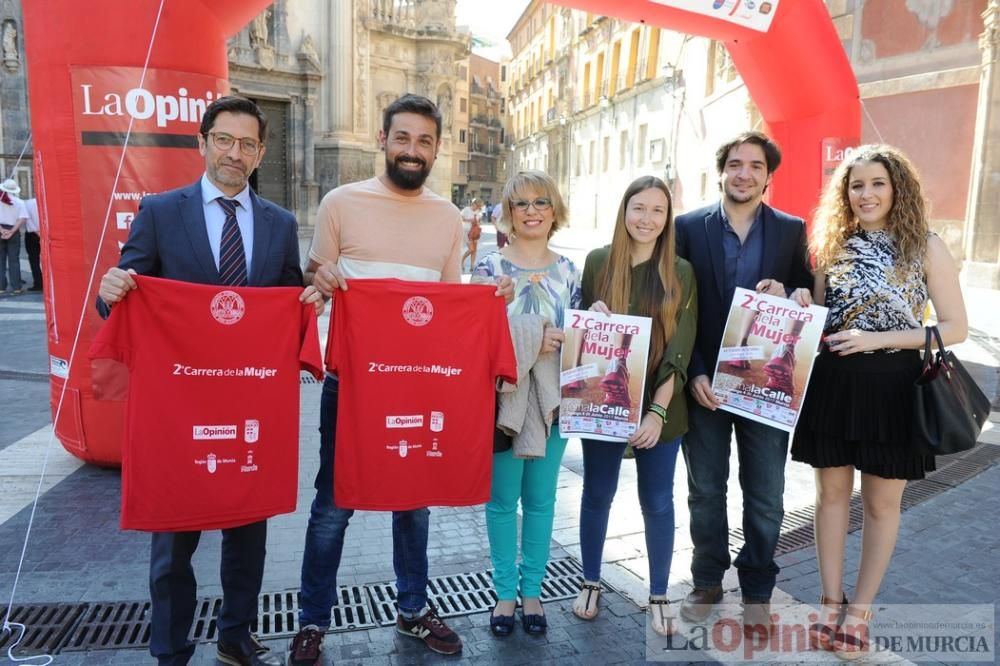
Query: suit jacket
(699, 240)
(168, 239)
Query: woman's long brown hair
(661, 295)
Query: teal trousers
(533, 482)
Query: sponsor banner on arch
(753, 14)
(165, 112)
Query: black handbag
(949, 409)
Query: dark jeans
(10, 263)
(762, 451)
(33, 248)
(601, 464)
(173, 588)
(325, 536)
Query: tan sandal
(856, 638)
(822, 634)
(662, 608)
(593, 592)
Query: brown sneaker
(307, 647)
(615, 384)
(698, 603)
(432, 631)
(757, 618)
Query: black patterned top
(864, 292)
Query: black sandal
(666, 619)
(591, 591)
(501, 625)
(822, 635)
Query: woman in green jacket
(639, 274)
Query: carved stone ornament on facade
(989, 41)
(8, 40)
(361, 45)
(307, 52)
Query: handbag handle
(928, 358)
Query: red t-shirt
(212, 417)
(417, 363)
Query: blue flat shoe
(501, 625)
(534, 624)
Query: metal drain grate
(563, 578)
(203, 628)
(953, 474)
(984, 454)
(352, 611)
(307, 378)
(45, 627)
(921, 491)
(464, 594)
(108, 626)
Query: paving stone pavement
(76, 552)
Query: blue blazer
(168, 239)
(699, 240)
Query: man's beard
(404, 178)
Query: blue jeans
(762, 451)
(601, 464)
(325, 536)
(10, 262)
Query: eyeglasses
(540, 204)
(224, 142)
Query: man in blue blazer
(739, 242)
(215, 231)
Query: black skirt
(859, 411)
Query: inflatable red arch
(795, 70)
(88, 88)
(85, 64)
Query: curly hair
(834, 221)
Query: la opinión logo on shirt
(215, 432)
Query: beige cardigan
(527, 410)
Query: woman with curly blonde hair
(877, 263)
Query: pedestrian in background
(472, 219)
(33, 244)
(13, 216)
(639, 274)
(545, 285)
(877, 263)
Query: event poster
(766, 357)
(603, 374)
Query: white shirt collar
(209, 193)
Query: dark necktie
(232, 258)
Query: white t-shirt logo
(418, 311)
(227, 307)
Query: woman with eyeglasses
(639, 274)
(546, 284)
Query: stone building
(323, 72)
(597, 102)
(15, 127)
(486, 134)
(329, 69)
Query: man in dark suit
(215, 231)
(739, 242)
